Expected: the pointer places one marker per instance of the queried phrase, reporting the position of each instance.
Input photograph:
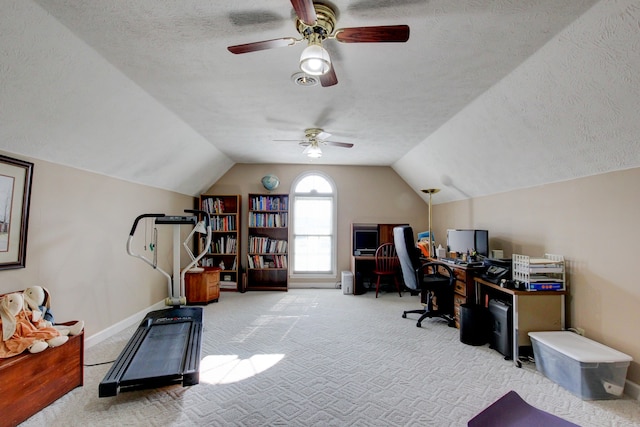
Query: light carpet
(316, 357)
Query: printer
(496, 270)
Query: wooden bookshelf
(224, 211)
(268, 242)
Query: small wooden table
(202, 287)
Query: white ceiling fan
(313, 138)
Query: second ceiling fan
(316, 22)
(313, 138)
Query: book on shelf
(213, 206)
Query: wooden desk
(365, 264)
(531, 311)
(464, 289)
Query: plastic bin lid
(579, 348)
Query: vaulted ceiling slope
(485, 97)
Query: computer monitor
(461, 241)
(365, 241)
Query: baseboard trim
(120, 326)
(313, 286)
(632, 390)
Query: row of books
(224, 245)
(268, 220)
(263, 261)
(213, 206)
(269, 203)
(266, 245)
(223, 223)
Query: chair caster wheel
(419, 325)
(404, 315)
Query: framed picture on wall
(15, 194)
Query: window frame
(332, 274)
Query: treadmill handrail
(135, 223)
(142, 257)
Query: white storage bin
(585, 367)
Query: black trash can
(474, 324)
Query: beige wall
(594, 223)
(365, 194)
(76, 245)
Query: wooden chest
(30, 382)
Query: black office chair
(436, 289)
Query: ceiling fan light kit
(315, 60)
(314, 151)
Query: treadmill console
(177, 219)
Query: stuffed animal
(19, 334)
(38, 302)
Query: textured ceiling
(486, 96)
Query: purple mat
(511, 411)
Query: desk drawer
(460, 288)
(460, 274)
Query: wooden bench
(30, 382)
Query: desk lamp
(430, 192)
(199, 228)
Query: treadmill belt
(164, 349)
(161, 353)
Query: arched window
(314, 225)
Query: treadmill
(165, 348)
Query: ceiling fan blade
(301, 142)
(323, 135)
(380, 34)
(329, 78)
(338, 144)
(305, 11)
(263, 45)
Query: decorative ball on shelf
(270, 182)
